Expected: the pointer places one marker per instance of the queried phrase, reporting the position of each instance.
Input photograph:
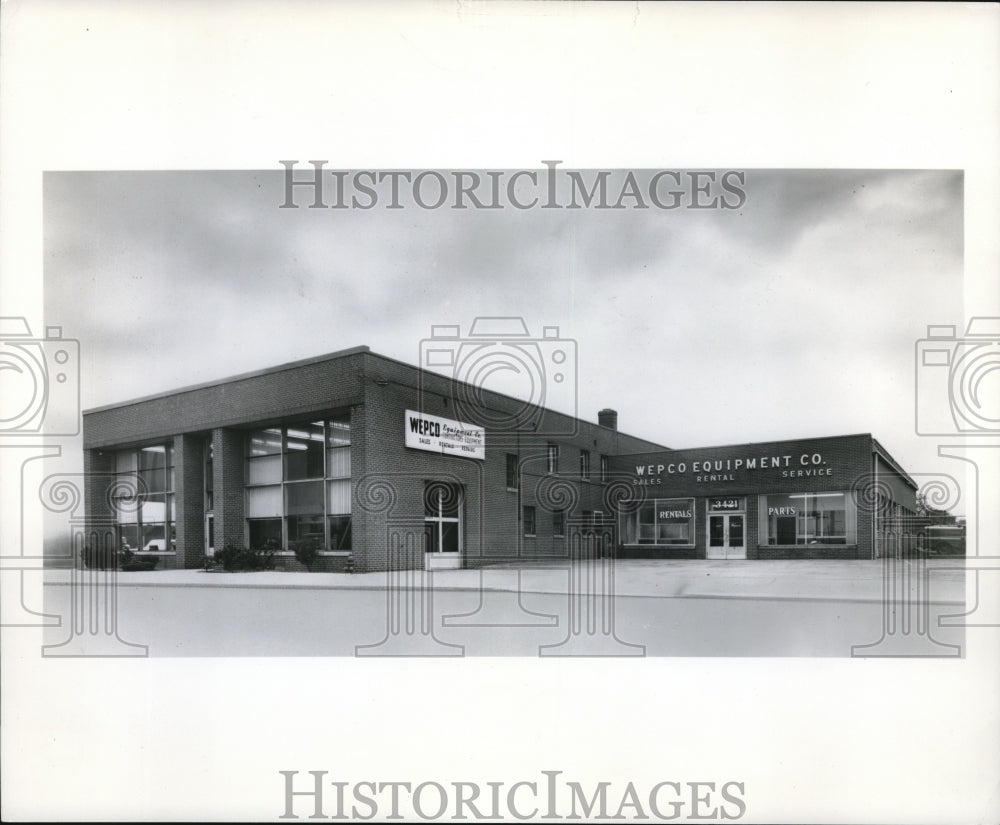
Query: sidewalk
(851, 581)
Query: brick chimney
(608, 418)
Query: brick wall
(189, 499)
(227, 465)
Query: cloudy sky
(794, 315)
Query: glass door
(443, 521)
(726, 536)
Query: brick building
(816, 498)
(381, 464)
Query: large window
(298, 485)
(146, 521)
(665, 522)
(807, 518)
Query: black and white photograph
(523, 411)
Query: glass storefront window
(287, 499)
(265, 533)
(340, 532)
(338, 432)
(304, 452)
(146, 519)
(265, 442)
(665, 522)
(806, 518)
(304, 498)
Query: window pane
(303, 528)
(339, 497)
(512, 471)
(154, 457)
(827, 519)
(128, 537)
(154, 480)
(782, 513)
(558, 523)
(264, 442)
(339, 431)
(646, 519)
(449, 537)
(263, 501)
(529, 521)
(125, 461)
(451, 500)
(338, 463)
(153, 508)
(264, 470)
(304, 452)
(674, 520)
(675, 533)
(154, 539)
(126, 510)
(265, 533)
(432, 537)
(305, 498)
(340, 532)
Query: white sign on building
(442, 435)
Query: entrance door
(443, 521)
(726, 536)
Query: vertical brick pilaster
(189, 499)
(98, 467)
(227, 479)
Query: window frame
(513, 480)
(331, 425)
(552, 458)
(138, 473)
(635, 520)
(528, 515)
(804, 538)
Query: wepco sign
(444, 436)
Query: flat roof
(332, 356)
(229, 379)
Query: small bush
(233, 557)
(306, 551)
(103, 558)
(98, 557)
